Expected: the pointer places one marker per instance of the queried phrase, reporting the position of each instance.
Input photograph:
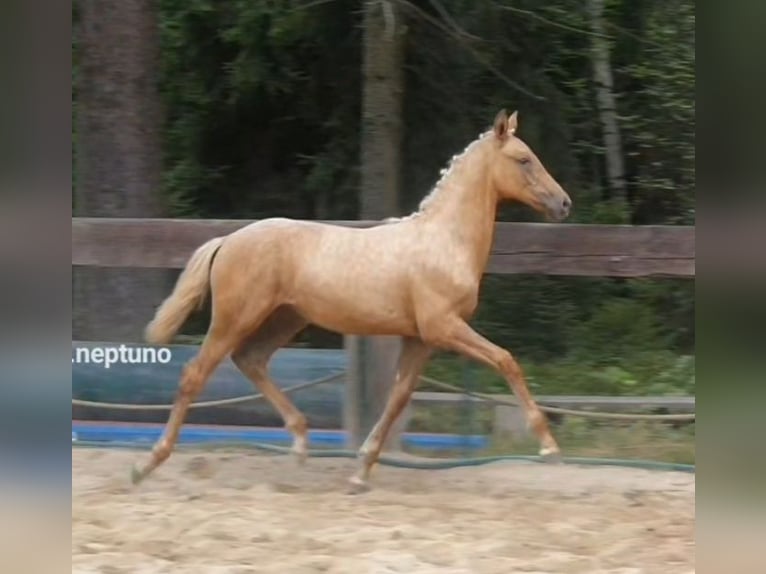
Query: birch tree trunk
(374, 359)
(607, 104)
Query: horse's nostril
(567, 203)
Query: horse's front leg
(413, 358)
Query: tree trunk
(383, 88)
(374, 359)
(119, 157)
(607, 105)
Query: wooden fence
(534, 248)
(519, 248)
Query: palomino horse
(416, 277)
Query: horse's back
(342, 278)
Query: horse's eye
(524, 160)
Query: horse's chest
(462, 289)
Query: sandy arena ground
(215, 513)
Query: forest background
(248, 110)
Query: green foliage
(617, 328)
(256, 122)
(659, 104)
(635, 373)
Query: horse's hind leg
(252, 358)
(217, 344)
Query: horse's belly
(357, 308)
(362, 324)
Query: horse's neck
(465, 207)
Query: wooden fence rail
(533, 248)
(673, 404)
(508, 419)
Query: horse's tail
(188, 295)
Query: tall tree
(119, 165)
(374, 358)
(607, 103)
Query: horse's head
(517, 174)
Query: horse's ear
(513, 122)
(500, 126)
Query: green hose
(439, 464)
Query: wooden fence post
(381, 130)
(371, 370)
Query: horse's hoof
(551, 456)
(357, 486)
